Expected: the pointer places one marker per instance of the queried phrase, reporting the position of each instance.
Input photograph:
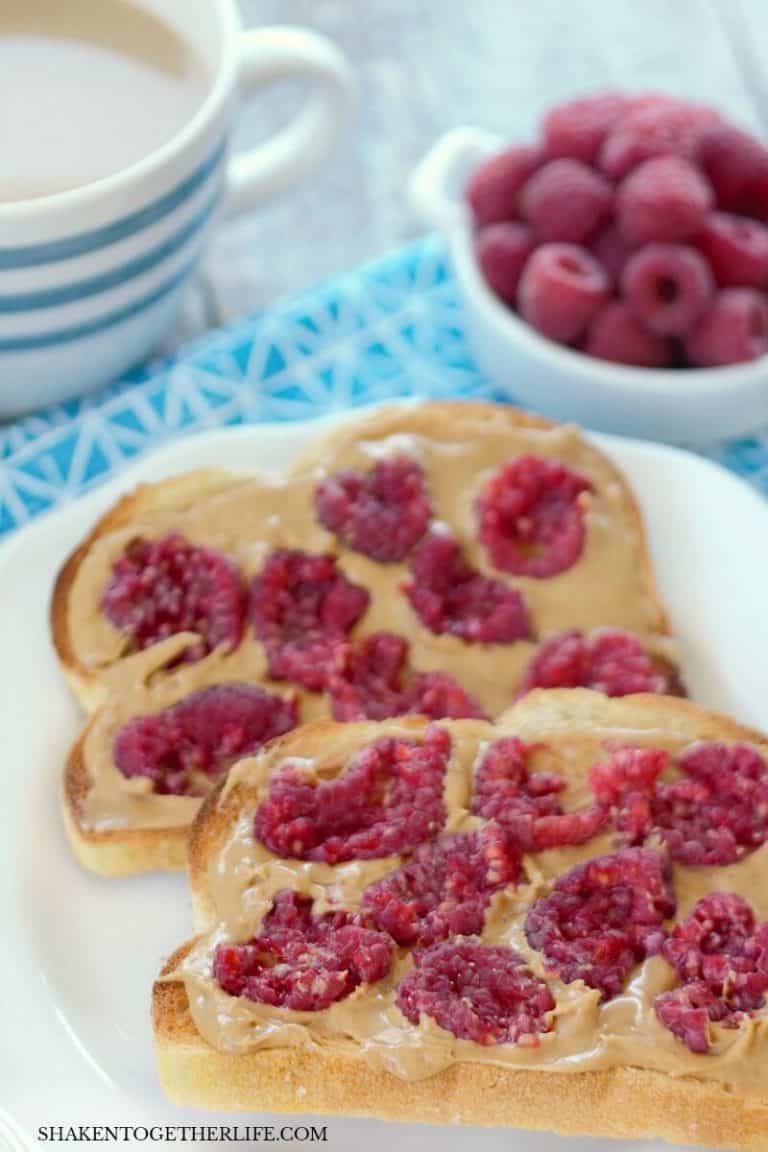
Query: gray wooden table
(424, 66)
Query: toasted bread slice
(229, 1053)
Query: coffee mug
(90, 278)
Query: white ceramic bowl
(696, 406)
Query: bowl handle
(436, 186)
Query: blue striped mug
(90, 278)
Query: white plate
(79, 953)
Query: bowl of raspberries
(615, 270)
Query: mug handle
(278, 53)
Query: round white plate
(79, 953)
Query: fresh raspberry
(382, 513)
(609, 660)
(664, 200)
(387, 801)
(494, 186)
(565, 200)
(300, 961)
(717, 813)
(654, 127)
(611, 250)
(183, 749)
(668, 287)
(526, 805)
(578, 128)
(302, 608)
(602, 918)
(736, 165)
(501, 251)
(617, 335)
(736, 250)
(531, 517)
(450, 597)
(444, 889)
(369, 683)
(722, 963)
(486, 995)
(733, 329)
(161, 587)
(561, 289)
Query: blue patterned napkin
(393, 328)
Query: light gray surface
(427, 65)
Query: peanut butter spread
(240, 876)
(247, 517)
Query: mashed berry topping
(448, 596)
(609, 660)
(388, 800)
(721, 959)
(531, 517)
(445, 887)
(486, 995)
(382, 513)
(715, 813)
(526, 804)
(159, 588)
(370, 682)
(302, 608)
(301, 961)
(184, 748)
(602, 917)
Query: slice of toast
(605, 1069)
(246, 517)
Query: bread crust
(622, 1102)
(114, 851)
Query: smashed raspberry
(611, 251)
(579, 127)
(531, 517)
(302, 608)
(566, 200)
(494, 186)
(301, 961)
(732, 330)
(388, 800)
(561, 289)
(603, 917)
(668, 287)
(717, 812)
(609, 660)
(486, 995)
(736, 250)
(159, 588)
(501, 251)
(617, 335)
(186, 747)
(665, 200)
(722, 963)
(654, 127)
(382, 513)
(624, 784)
(526, 804)
(736, 165)
(444, 889)
(450, 597)
(369, 682)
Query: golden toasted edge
(176, 492)
(114, 851)
(425, 417)
(622, 1102)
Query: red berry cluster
(635, 231)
